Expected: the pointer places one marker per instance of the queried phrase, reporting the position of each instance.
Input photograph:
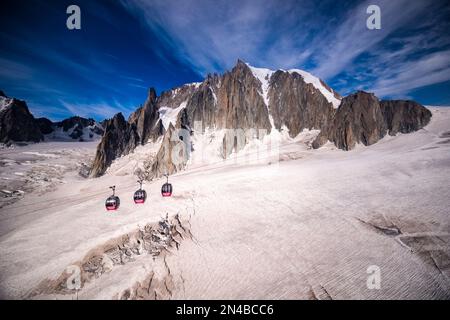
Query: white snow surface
(169, 115)
(195, 84)
(307, 226)
(129, 164)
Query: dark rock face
(231, 101)
(239, 102)
(17, 123)
(45, 125)
(145, 118)
(202, 105)
(358, 120)
(404, 116)
(119, 139)
(362, 118)
(297, 104)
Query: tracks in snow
(431, 246)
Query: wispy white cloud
(100, 110)
(13, 70)
(132, 78)
(211, 35)
(429, 69)
(335, 52)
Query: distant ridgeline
(17, 124)
(251, 103)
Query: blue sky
(126, 46)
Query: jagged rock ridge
(362, 118)
(257, 101)
(17, 124)
(120, 138)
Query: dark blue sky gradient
(124, 47)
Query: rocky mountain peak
(152, 95)
(117, 121)
(240, 63)
(249, 98)
(241, 69)
(17, 124)
(119, 138)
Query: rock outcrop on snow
(362, 118)
(17, 124)
(404, 116)
(172, 155)
(298, 105)
(252, 102)
(145, 119)
(359, 119)
(119, 138)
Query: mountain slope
(73, 128)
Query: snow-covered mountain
(17, 124)
(75, 128)
(250, 103)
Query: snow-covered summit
(264, 75)
(75, 128)
(328, 93)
